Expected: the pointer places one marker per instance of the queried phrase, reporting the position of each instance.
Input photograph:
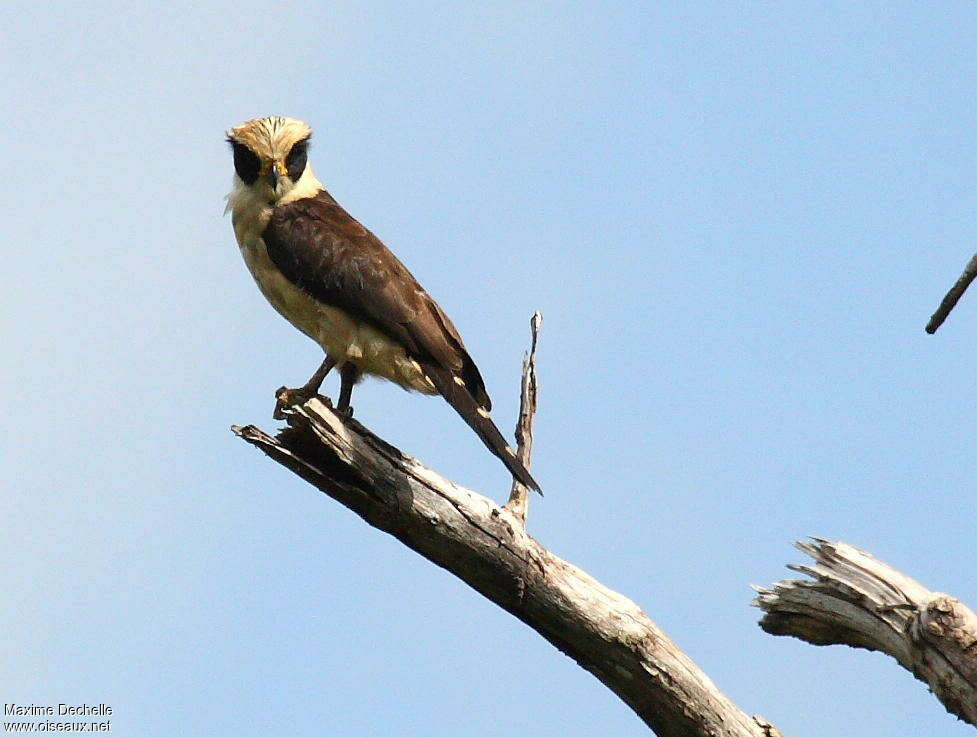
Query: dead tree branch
(953, 296)
(488, 548)
(518, 502)
(857, 600)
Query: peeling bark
(518, 502)
(855, 599)
(487, 547)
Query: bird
(336, 282)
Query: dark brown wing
(319, 247)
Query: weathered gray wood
(518, 503)
(488, 548)
(855, 599)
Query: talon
(279, 413)
(285, 398)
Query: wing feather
(322, 249)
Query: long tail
(457, 395)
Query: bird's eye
(246, 164)
(296, 160)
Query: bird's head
(270, 156)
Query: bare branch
(857, 600)
(518, 502)
(953, 296)
(488, 548)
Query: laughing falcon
(337, 283)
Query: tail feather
(455, 392)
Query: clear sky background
(736, 219)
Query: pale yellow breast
(342, 336)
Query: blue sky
(736, 219)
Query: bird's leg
(349, 374)
(311, 387)
(287, 397)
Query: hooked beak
(273, 176)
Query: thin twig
(518, 503)
(953, 296)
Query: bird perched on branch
(337, 283)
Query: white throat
(257, 200)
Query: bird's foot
(286, 397)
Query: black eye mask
(296, 160)
(246, 164)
